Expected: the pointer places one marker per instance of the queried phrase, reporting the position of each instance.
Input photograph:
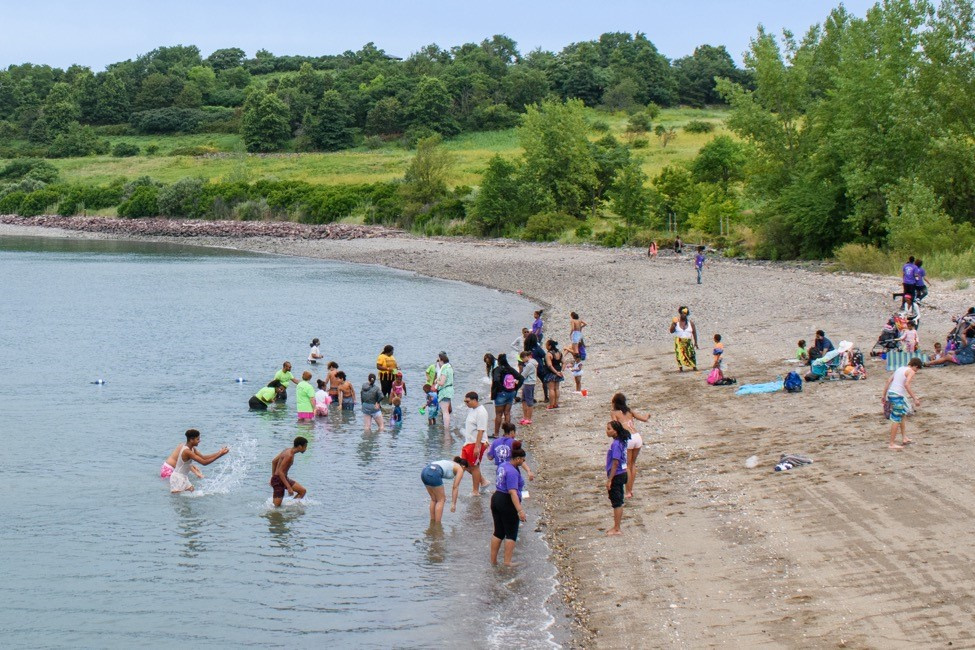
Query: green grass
(471, 153)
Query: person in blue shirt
(699, 261)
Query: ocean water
(97, 553)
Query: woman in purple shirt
(909, 271)
(616, 472)
(506, 507)
(920, 287)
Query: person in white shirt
(475, 437)
(314, 354)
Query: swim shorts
(635, 441)
(278, 486)
(256, 404)
(898, 407)
(348, 405)
(528, 394)
(616, 490)
(306, 416)
(467, 453)
(576, 336)
(165, 471)
(505, 516)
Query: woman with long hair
(626, 416)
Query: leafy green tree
(112, 105)
(237, 77)
(721, 161)
(77, 141)
(58, 113)
(497, 207)
(558, 161)
(204, 78)
(157, 91)
(427, 176)
(610, 157)
(697, 75)
(524, 86)
(631, 200)
(183, 198)
(385, 117)
(142, 203)
(430, 107)
(678, 195)
(226, 58)
(329, 130)
(189, 97)
(265, 123)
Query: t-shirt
(477, 419)
(801, 354)
(314, 352)
(305, 392)
(825, 345)
(919, 276)
(530, 372)
(699, 260)
(617, 451)
(387, 365)
(447, 466)
(447, 390)
(537, 328)
(284, 377)
(266, 394)
(321, 396)
(432, 401)
(500, 450)
(909, 271)
(509, 478)
(431, 373)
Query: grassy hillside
(359, 165)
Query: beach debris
(751, 462)
(788, 461)
(240, 380)
(99, 382)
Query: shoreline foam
(713, 553)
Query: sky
(98, 32)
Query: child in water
(397, 417)
(322, 399)
(433, 404)
(399, 388)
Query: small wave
(294, 504)
(231, 470)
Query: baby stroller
(887, 340)
(962, 323)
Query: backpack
(582, 351)
(793, 382)
(509, 382)
(714, 376)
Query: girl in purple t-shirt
(616, 472)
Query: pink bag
(714, 376)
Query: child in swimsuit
(397, 417)
(432, 407)
(399, 388)
(322, 399)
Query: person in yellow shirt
(386, 365)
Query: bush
(614, 238)
(125, 150)
(29, 168)
(653, 110)
(78, 198)
(640, 143)
(168, 120)
(195, 150)
(866, 259)
(584, 231)
(182, 199)
(639, 123)
(698, 126)
(252, 211)
(373, 142)
(547, 226)
(37, 203)
(10, 203)
(152, 149)
(78, 141)
(600, 126)
(142, 203)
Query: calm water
(97, 553)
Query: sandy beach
(865, 548)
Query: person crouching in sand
(280, 483)
(616, 472)
(183, 457)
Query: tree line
(331, 102)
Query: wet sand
(867, 547)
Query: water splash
(231, 470)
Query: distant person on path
(506, 507)
(505, 382)
(616, 472)
(179, 480)
(678, 246)
(445, 389)
(699, 261)
(575, 332)
(475, 440)
(895, 394)
(553, 372)
(538, 326)
(920, 285)
(626, 416)
(652, 251)
(346, 392)
(266, 396)
(280, 481)
(305, 397)
(529, 371)
(386, 365)
(685, 340)
(285, 377)
(322, 399)
(314, 354)
(370, 395)
(909, 278)
(433, 476)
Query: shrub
(547, 226)
(37, 202)
(77, 141)
(195, 150)
(88, 197)
(614, 238)
(125, 150)
(168, 120)
(252, 211)
(142, 203)
(653, 110)
(10, 203)
(29, 168)
(182, 198)
(698, 126)
(640, 143)
(373, 142)
(600, 126)
(152, 149)
(639, 123)
(866, 259)
(584, 231)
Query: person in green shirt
(284, 376)
(802, 354)
(305, 393)
(265, 396)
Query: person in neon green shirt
(284, 376)
(305, 393)
(266, 396)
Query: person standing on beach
(616, 472)
(386, 365)
(895, 394)
(909, 279)
(475, 439)
(920, 286)
(506, 509)
(445, 389)
(305, 397)
(537, 325)
(179, 480)
(553, 370)
(678, 246)
(652, 251)
(533, 346)
(284, 376)
(433, 476)
(575, 332)
(685, 339)
(529, 371)
(370, 396)
(280, 482)
(699, 261)
(505, 382)
(626, 416)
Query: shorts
(528, 395)
(898, 407)
(577, 336)
(256, 404)
(505, 516)
(467, 453)
(306, 415)
(371, 410)
(432, 412)
(432, 476)
(179, 482)
(165, 471)
(616, 490)
(278, 487)
(321, 409)
(348, 405)
(504, 397)
(635, 441)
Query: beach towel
(753, 389)
(898, 359)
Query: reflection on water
(170, 331)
